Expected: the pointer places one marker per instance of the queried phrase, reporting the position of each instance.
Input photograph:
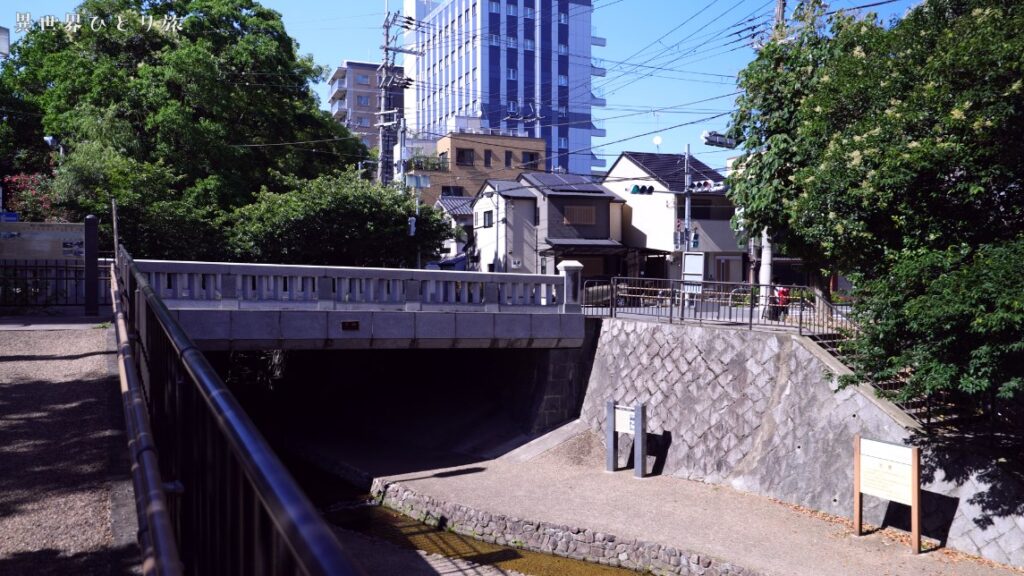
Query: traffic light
(695, 241)
(637, 189)
(719, 140)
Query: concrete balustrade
(339, 288)
(259, 306)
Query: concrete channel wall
(760, 412)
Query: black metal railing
(232, 506)
(666, 300)
(42, 283)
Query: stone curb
(546, 537)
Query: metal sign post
(629, 421)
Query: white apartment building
(522, 67)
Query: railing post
(800, 317)
(614, 298)
(413, 300)
(571, 271)
(751, 319)
(671, 299)
(92, 271)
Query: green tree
(896, 158)
(340, 220)
(175, 124)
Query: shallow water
(349, 507)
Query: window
(513, 74)
(363, 79)
(529, 12)
(364, 121)
(563, 17)
(495, 40)
(363, 100)
(563, 49)
(487, 158)
(513, 42)
(510, 9)
(536, 214)
(513, 107)
(563, 142)
(563, 80)
(488, 218)
(464, 156)
(530, 160)
(495, 7)
(563, 111)
(451, 191)
(529, 44)
(579, 216)
(508, 158)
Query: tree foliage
(176, 125)
(895, 158)
(336, 220)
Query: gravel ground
(63, 455)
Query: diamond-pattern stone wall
(759, 411)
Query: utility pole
(389, 79)
(766, 241)
(385, 74)
(688, 184)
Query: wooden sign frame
(878, 470)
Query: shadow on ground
(104, 562)
(57, 438)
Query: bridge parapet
(263, 306)
(227, 285)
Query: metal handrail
(674, 300)
(231, 449)
(156, 533)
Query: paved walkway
(567, 485)
(66, 504)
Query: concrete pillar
(572, 273)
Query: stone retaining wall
(569, 541)
(760, 411)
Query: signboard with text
(890, 472)
(41, 241)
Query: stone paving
(562, 502)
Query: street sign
(41, 241)
(8, 216)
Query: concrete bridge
(265, 306)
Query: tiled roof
(670, 168)
(456, 205)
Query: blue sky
(687, 51)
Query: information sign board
(891, 472)
(41, 241)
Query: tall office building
(520, 67)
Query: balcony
(339, 109)
(597, 129)
(597, 67)
(597, 96)
(338, 90)
(427, 164)
(596, 40)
